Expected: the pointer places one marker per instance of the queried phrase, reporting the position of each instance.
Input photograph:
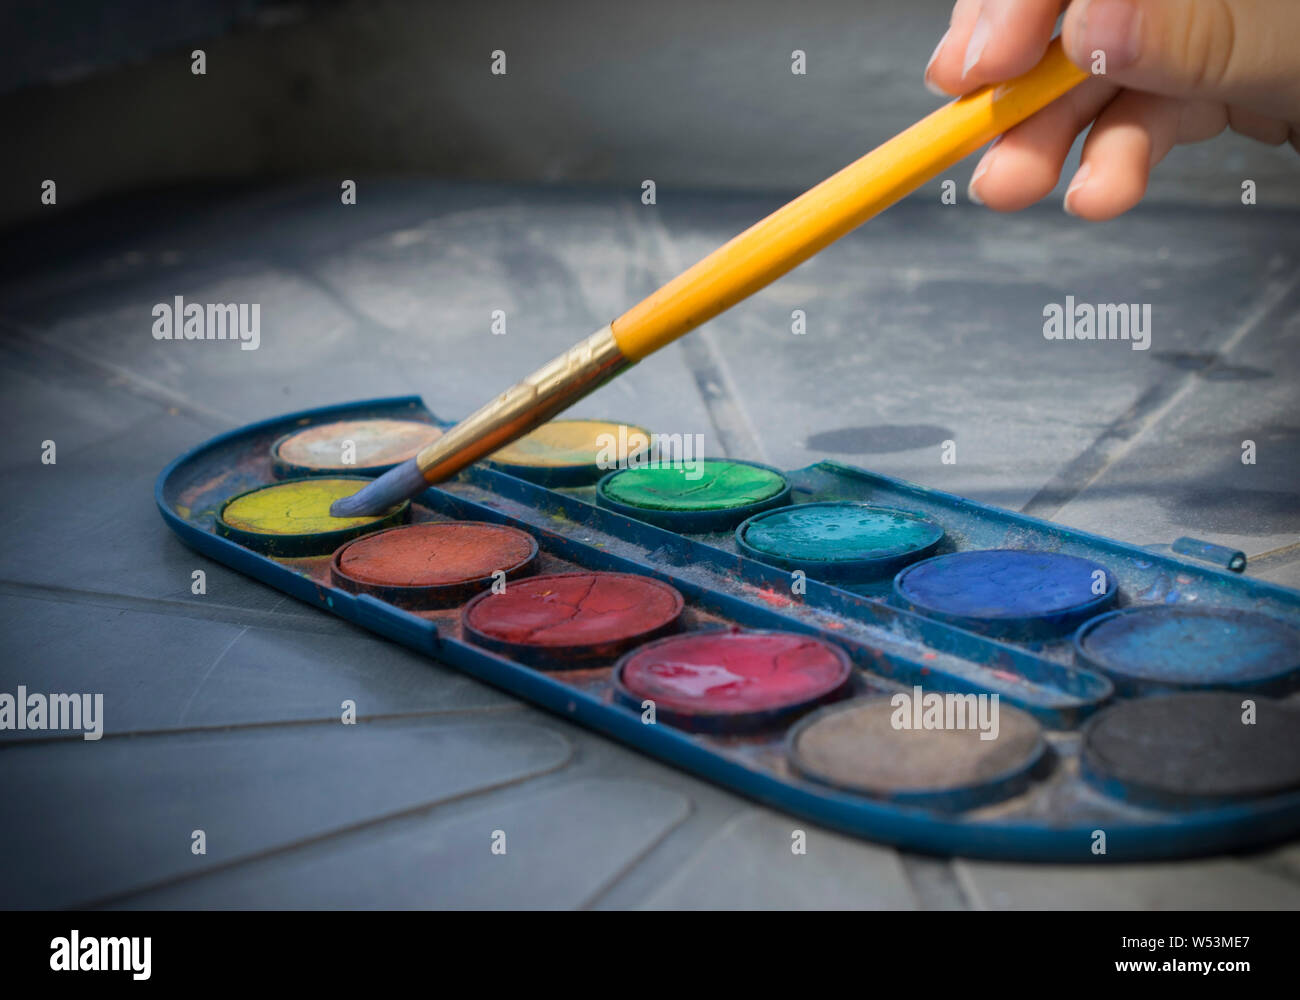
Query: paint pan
(1193, 749)
(567, 453)
(436, 564)
(730, 680)
(350, 447)
(889, 747)
(839, 541)
(292, 518)
(709, 495)
(570, 620)
(1010, 593)
(1144, 650)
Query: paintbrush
(756, 257)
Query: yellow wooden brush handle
(757, 256)
(842, 202)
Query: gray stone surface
(924, 326)
(689, 94)
(108, 818)
(1184, 471)
(145, 663)
(927, 326)
(751, 863)
(1216, 884)
(552, 848)
(1284, 569)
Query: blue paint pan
(841, 541)
(1008, 592)
(1174, 647)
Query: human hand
(1176, 71)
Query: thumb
(1235, 51)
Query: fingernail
(1080, 179)
(1111, 27)
(981, 169)
(979, 37)
(930, 86)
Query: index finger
(991, 40)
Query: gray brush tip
(402, 482)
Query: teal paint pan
(840, 540)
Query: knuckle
(1207, 43)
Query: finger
(990, 40)
(938, 77)
(1236, 51)
(1025, 164)
(1131, 136)
(1272, 131)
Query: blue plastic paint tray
(1036, 804)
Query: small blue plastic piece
(1219, 555)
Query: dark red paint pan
(435, 564)
(729, 680)
(571, 620)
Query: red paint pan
(733, 680)
(569, 620)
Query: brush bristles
(397, 484)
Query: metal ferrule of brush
(536, 399)
(553, 387)
(532, 401)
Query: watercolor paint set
(826, 640)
